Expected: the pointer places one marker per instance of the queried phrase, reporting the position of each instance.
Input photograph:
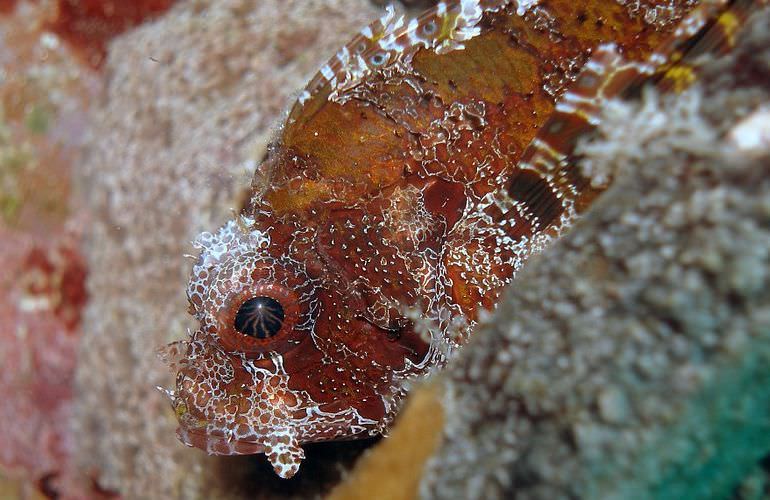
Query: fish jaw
(280, 446)
(229, 404)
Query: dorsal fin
(442, 28)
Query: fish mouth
(217, 437)
(216, 442)
(280, 440)
(281, 448)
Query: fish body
(413, 177)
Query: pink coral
(43, 94)
(41, 294)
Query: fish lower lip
(285, 455)
(217, 444)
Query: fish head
(301, 337)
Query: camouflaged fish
(417, 172)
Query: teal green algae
(718, 441)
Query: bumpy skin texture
(402, 179)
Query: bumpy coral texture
(187, 111)
(44, 93)
(631, 359)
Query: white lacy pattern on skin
(266, 419)
(265, 414)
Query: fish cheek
(374, 274)
(380, 253)
(445, 200)
(335, 367)
(369, 270)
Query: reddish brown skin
(415, 187)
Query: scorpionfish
(414, 175)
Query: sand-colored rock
(394, 469)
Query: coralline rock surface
(630, 360)
(43, 94)
(177, 134)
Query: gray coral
(631, 359)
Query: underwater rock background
(636, 345)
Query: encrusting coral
(630, 359)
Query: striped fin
(545, 181)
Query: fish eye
(259, 317)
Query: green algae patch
(38, 120)
(13, 161)
(718, 442)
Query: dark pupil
(259, 317)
